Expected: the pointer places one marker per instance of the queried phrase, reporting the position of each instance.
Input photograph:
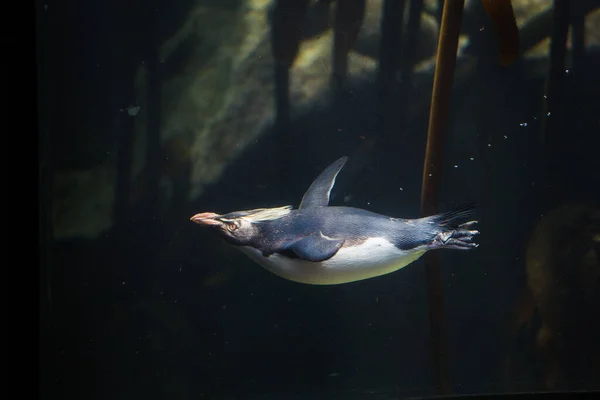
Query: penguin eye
(231, 227)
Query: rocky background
(217, 96)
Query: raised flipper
(316, 247)
(318, 193)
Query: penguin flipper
(318, 193)
(316, 247)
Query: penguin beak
(206, 219)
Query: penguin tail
(456, 228)
(455, 217)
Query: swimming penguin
(326, 245)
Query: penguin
(319, 244)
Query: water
(139, 302)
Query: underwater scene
(318, 199)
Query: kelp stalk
(287, 22)
(349, 16)
(389, 48)
(412, 42)
(440, 107)
(153, 115)
(503, 18)
(551, 117)
(286, 34)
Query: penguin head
(233, 227)
(239, 227)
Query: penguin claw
(467, 225)
(460, 244)
(461, 239)
(464, 234)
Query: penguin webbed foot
(460, 238)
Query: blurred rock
(218, 90)
(563, 274)
(370, 33)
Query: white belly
(375, 257)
